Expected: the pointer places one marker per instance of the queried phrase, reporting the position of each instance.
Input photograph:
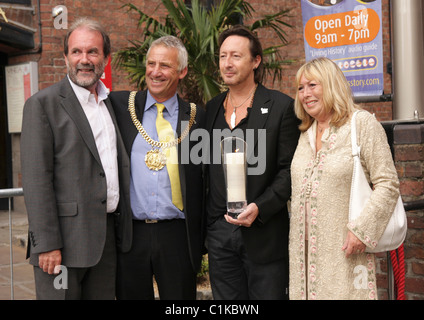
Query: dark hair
(255, 45)
(91, 25)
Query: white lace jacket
(321, 270)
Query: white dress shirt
(104, 135)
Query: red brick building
(29, 34)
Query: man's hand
(50, 261)
(246, 218)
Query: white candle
(236, 176)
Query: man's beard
(86, 81)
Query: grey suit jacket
(63, 179)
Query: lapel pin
(264, 110)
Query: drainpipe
(408, 62)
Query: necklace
(322, 128)
(155, 159)
(233, 115)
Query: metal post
(10, 193)
(390, 277)
(12, 293)
(408, 62)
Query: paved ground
(23, 288)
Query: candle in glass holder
(236, 183)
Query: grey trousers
(93, 283)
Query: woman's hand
(353, 245)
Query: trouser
(234, 276)
(97, 282)
(159, 250)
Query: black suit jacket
(267, 239)
(191, 175)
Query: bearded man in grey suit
(73, 163)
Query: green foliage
(199, 30)
(204, 268)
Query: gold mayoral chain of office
(155, 159)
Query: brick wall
(122, 27)
(409, 160)
(407, 141)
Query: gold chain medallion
(155, 159)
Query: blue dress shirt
(150, 191)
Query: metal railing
(11, 193)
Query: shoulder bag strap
(356, 150)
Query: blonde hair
(337, 95)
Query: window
(26, 2)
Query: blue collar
(171, 105)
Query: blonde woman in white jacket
(327, 252)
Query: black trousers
(159, 250)
(234, 276)
(93, 283)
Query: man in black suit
(166, 188)
(248, 255)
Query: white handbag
(360, 191)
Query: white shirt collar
(83, 94)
